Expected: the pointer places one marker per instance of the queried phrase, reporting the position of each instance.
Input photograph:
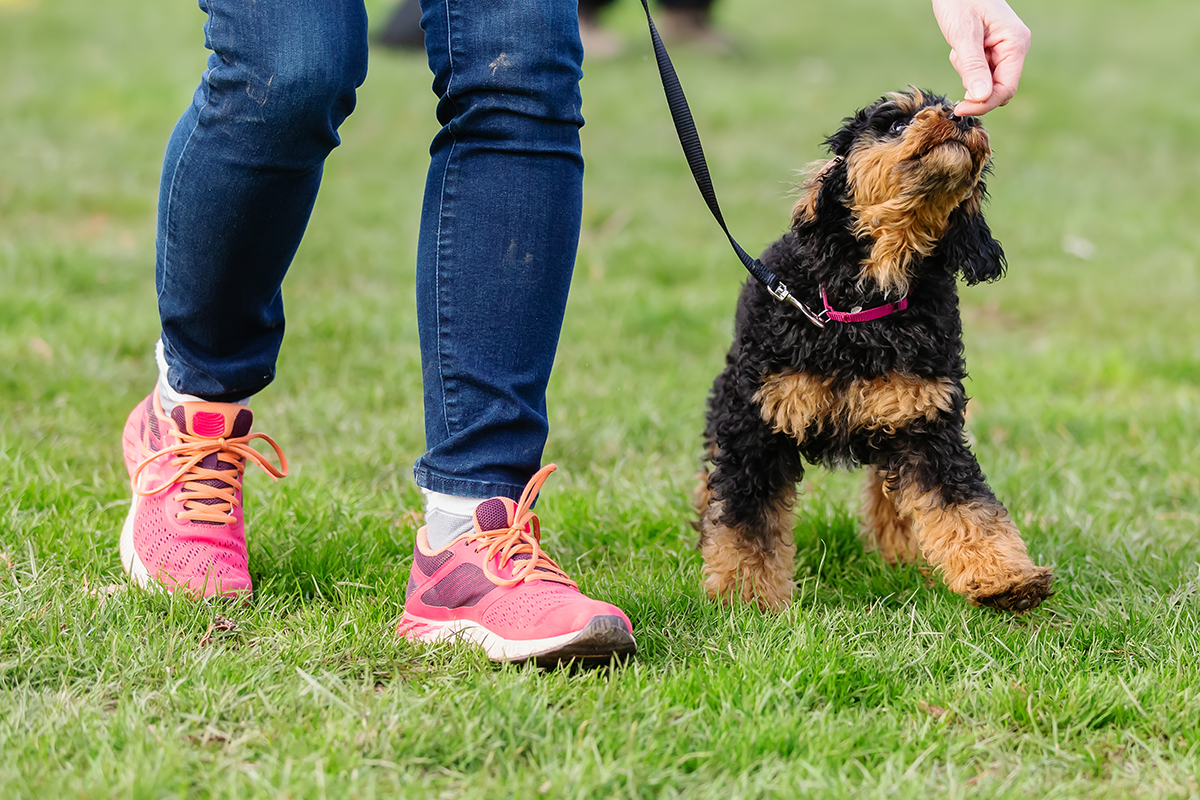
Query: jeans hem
(180, 375)
(462, 487)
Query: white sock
(447, 517)
(168, 397)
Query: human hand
(988, 43)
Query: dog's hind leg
(745, 507)
(883, 529)
(961, 527)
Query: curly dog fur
(895, 211)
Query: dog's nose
(965, 123)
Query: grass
(1086, 379)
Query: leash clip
(780, 292)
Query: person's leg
(239, 179)
(499, 230)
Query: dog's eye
(899, 125)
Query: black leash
(685, 127)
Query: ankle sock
(168, 397)
(447, 517)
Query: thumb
(973, 67)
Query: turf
(1086, 391)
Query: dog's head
(907, 177)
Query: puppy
(878, 239)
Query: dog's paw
(739, 571)
(1025, 595)
(755, 568)
(730, 588)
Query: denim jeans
(499, 225)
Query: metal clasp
(780, 292)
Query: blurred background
(1085, 359)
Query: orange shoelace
(188, 454)
(516, 540)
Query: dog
(887, 224)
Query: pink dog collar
(859, 314)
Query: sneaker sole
(603, 639)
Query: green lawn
(1085, 372)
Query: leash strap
(685, 127)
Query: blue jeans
(499, 226)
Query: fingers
(1006, 71)
(981, 92)
(969, 109)
(972, 65)
(988, 45)
(1004, 66)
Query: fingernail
(979, 90)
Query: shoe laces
(199, 483)
(522, 537)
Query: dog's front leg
(745, 507)
(961, 527)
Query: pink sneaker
(185, 529)
(495, 587)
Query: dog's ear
(969, 246)
(825, 188)
(839, 143)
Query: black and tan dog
(886, 225)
